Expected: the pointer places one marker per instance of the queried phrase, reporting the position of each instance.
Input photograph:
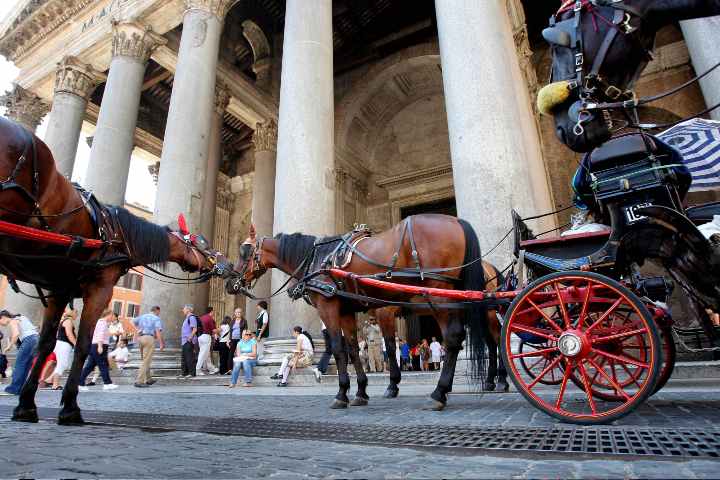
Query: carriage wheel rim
(580, 364)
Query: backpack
(199, 324)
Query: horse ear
(182, 223)
(253, 232)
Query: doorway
(445, 206)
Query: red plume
(182, 223)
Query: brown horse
(33, 193)
(444, 248)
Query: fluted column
(494, 144)
(113, 143)
(24, 107)
(74, 83)
(215, 153)
(27, 109)
(304, 196)
(702, 36)
(184, 161)
(263, 199)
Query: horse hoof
(70, 418)
(29, 415)
(359, 402)
(435, 406)
(503, 387)
(338, 404)
(489, 387)
(391, 393)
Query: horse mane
(294, 247)
(147, 241)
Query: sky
(140, 190)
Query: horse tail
(475, 317)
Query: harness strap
(413, 248)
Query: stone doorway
(445, 206)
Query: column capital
(219, 8)
(76, 78)
(265, 136)
(135, 40)
(222, 98)
(24, 107)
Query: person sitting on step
(301, 357)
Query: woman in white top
(301, 357)
(23, 334)
(64, 346)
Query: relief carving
(265, 136)
(76, 78)
(24, 107)
(219, 8)
(135, 40)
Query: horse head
(599, 49)
(193, 253)
(250, 267)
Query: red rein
(36, 235)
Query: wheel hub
(572, 344)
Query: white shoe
(318, 375)
(200, 374)
(83, 388)
(110, 386)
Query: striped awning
(698, 141)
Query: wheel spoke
(619, 335)
(605, 315)
(565, 316)
(535, 353)
(621, 358)
(597, 372)
(632, 377)
(586, 383)
(544, 372)
(615, 385)
(583, 311)
(534, 331)
(548, 319)
(536, 363)
(563, 385)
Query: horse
(34, 194)
(430, 250)
(599, 50)
(496, 378)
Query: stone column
(263, 199)
(184, 161)
(27, 109)
(494, 143)
(209, 198)
(113, 143)
(702, 36)
(304, 197)
(74, 82)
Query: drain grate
(602, 440)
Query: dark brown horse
(431, 243)
(34, 194)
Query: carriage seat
(704, 213)
(621, 150)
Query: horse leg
(454, 334)
(497, 365)
(350, 329)
(386, 321)
(26, 411)
(95, 299)
(329, 310)
(491, 339)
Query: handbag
(216, 345)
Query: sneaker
(201, 374)
(141, 385)
(318, 375)
(282, 384)
(275, 377)
(83, 388)
(110, 386)
(151, 382)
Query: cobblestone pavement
(47, 450)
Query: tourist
(435, 353)
(224, 345)
(3, 359)
(116, 329)
(425, 355)
(149, 328)
(363, 353)
(374, 342)
(263, 326)
(120, 356)
(188, 339)
(23, 334)
(245, 358)
(415, 355)
(64, 346)
(301, 357)
(47, 368)
(322, 366)
(238, 326)
(204, 362)
(404, 355)
(99, 352)
(397, 350)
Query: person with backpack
(301, 357)
(188, 340)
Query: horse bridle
(211, 256)
(253, 257)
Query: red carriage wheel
(669, 357)
(536, 363)
(600, 336)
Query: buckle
(579, 59)
(612, 92)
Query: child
(121, 355)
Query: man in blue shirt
(149, 327)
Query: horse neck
(271, 256)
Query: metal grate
(602, 440)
